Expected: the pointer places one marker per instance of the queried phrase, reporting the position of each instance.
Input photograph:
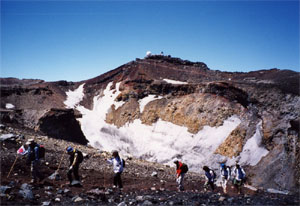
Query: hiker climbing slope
(181, 170)
(225, 173)
(239, 176)
(76, 157)
(33, 159)
(118, 166)
(209, 178)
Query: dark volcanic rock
(62, 124)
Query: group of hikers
(238, 176)
(76, 157)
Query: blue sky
(78, 40)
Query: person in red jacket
(181, 170)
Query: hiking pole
(56, 171)
(60, 161)
(12, 166)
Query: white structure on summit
(148, 53)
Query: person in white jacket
(225, 176)
(118, 164)
(239, 176)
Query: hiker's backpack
(80, 156)
(241, 175)
(184, 168)
(226, 171)
(123, 161)
(42, 151)
(214, 174)
(229, 170)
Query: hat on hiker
(175, 161)
(69, 149)
(29, 141)
(115, 153)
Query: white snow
(250, 187)
(174, 81)
(9, 106)
(143, 102)
(74, 97)
(271, 190)
(252, 150)
(160, 142)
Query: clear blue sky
(78, 40)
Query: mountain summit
(160, 108)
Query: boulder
(62, 124)
(26, 192)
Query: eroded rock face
(233, 145)
(192, 111)
(62, 124)
(125, 114)
(182, 105)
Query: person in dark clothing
(33, 159)
(210, 178)
(76, 158)
(118, 166)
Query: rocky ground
(145, 183)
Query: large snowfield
(163, 141)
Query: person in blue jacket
(209, 178)
(118, 164)
(33, 160)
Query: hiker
(33, 159)
(118, 166)
(181, 170)
(225, 175)
(76, 157)
(239, 177)
(209, 178)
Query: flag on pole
(22, 150)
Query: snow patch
(252, 150)
(9, 106)
(250, 187)
(174, 81)
(160, 142)
(143, 102)
(74, 97)
(285, 192)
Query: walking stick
(60, 161)
(12, 166)
(56, 171)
